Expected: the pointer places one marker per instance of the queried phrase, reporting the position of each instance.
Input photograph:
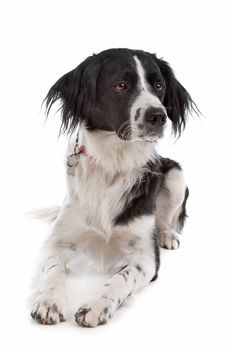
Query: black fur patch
(138, 267)
(140, 270)
(183, 214)
(55, 308)
(157, 255)
(79, 314)
(166, 164)
(105, 310)
(137, 115)
(123, 275)
(122, 268)
(141, 200)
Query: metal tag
(71, 164)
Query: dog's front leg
(139, 244)
(49, 299)
(170, 206)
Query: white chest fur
(101, 196)
(105, 176)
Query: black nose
(155, 116)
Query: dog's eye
(120, 87)
(159, 86)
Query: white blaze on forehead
(141, 74)
(150, 100)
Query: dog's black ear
(177, 100)
(76, 92)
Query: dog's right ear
(76, 91)
(177, 100)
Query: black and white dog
(123, 199)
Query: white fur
(168, 204)
(48, 214)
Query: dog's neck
(114, 155)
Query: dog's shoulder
(166, 164)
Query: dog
(124, 201)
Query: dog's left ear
(177, 100)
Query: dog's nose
(155, 116)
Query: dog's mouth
(140, 134)
(149, 138)
(152, 135)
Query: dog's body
(123, 198)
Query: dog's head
(129, 92)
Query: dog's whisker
(126, 126)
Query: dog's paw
(49, 308)
(95, 313)
(168, 239)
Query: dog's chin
(139, 138)
(151, 137)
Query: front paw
(168, 239)
(49, 308)
(94, 313)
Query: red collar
(80, 149)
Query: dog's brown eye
(159, 86)
(120, 87)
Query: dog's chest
(101, 196)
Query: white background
(190, 305)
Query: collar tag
(73, 159)
(71, 163)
